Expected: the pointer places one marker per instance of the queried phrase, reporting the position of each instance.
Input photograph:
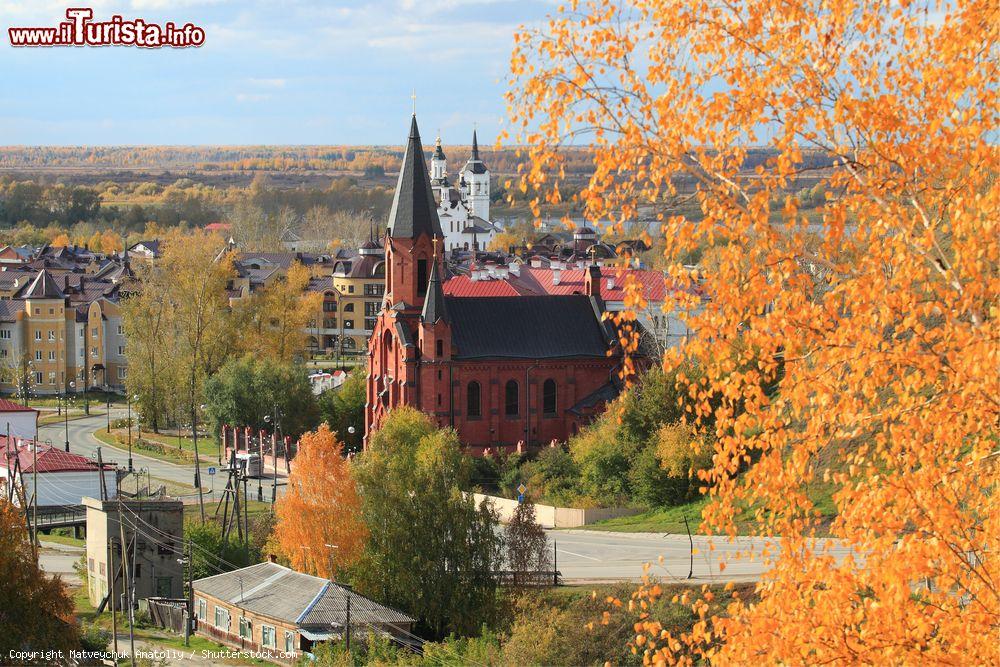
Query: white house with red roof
(18, 420)
(63, 478)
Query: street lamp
(66, 416)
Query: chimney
(536, 262)
(474, 274)
(515, 269)
(593, 281)
(556, 273)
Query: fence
(556, 517)
(168, 613)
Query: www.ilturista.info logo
(81, 30)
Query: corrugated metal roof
(281, 593)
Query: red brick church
(500, 370)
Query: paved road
(585, 555)
(82, 441)
(59, 559)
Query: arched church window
(421, 277)
(549, 397)
(473, 397)
(511, 407)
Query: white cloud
(252, 97)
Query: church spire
(475, 146)
(414, 211)
(434, 306)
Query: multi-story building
(60, 323)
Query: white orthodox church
(464, 210)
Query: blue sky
(270, 72)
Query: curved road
(82, 441)
(582, 555)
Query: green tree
(443, 573)
(344, 408)
(527, 546)
(248, 392)
(225, 554)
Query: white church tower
(439, 166)
(477, 180)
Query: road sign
(520, 498)
(521, 488)
(211, 470)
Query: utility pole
(112, 578)
(100, 468)
(348, 619)
(125, 574)
(34, 496)
(690, 548)
(555, 563)
(190, 601)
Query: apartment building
(61, 328)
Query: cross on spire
(413, 97)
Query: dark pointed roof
(434, 304)
(414, 210)
(475, 165)
(43, 287)
(438, 151)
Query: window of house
(549, 397)
(371, 308)
(421, 276)
(3, 353)
(350, 289)
(122, 372)
(90, 565)
(93, 332)
(329, 306)
(5, 334)
(121, 350)
(439, 347)
(268, 637)
(511, 398)
(52, 311)
(38, 334)
(349, 308)
(121, 330)
(222, 618)
(38, 378)
(52, 355)
(102, 568)
(38, 355)
(93, 352)
(473, 397)
(246, 628)
(52, 334)
(289, 642)
(348, 324)
(369, 323)
(202, 612)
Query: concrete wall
(556, 517)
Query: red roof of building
(539, 282)
(50, 459)
(11, 406)
(217, 226)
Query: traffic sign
(211, 470)
(521, 488)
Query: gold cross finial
(414, 98)
(435, 242)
